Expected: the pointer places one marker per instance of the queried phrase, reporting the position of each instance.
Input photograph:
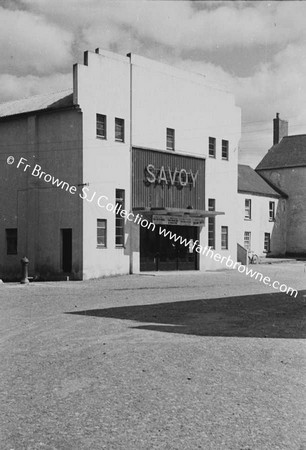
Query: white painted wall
(103, 86)
(162, 97)
(259, 223)
(166, 97)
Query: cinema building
(135, 150)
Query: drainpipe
(131, 169)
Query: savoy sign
(168, 176)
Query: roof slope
(54, 100)
(289, 152)
(250, 182)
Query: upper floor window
(211, 204)
(101, 233)
(120, 197)
(224, 238)
(101, 126)
(224, 149)
(11, 241)
(170, 138)
(119, 130)
(247, 209)
(247, 240)
(271, 211)
(212, 147)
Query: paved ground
(213, 361)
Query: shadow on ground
(262, 316)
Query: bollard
(24, 270)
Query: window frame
(170, 138)
(267, 250)
(225, 146)
(11, 241)
(212, 224)
(103, 245)
(249, 245)
(104, 122)
(224, 232)
(271, 210)
(212, 146)
(120, 200)
(247, 209)
(122, 132)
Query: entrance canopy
(177, 216)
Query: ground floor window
(212, 224)
(247, 240)
(11, 241)
(267, 242)
(224, 238)
(101, 233)
(120, 200)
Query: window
(170, 138)
(224, 149)
(212, 147)
(120, 197)
(224, 238)
(247, 209)
(211, 224)
(271, 211)
(101, 233)
(247, 240)
(267, 242)
(119, 130)
(211, 204)
(101, 126)
(11, 241)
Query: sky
(257, 50)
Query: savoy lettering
(180, 177)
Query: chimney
(280, 129)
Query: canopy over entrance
(177, 216)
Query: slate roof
(54, 100)
(250, 182)
(289, 152)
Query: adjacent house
(261, 210)
(284, 167)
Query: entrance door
(158, 252)
(66, 235)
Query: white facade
(102, 86)
(151, 97)
(144, 98)
(259, 225)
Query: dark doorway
(66, 234)
(158, 252)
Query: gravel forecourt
(170, 361)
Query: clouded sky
(255, 49)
